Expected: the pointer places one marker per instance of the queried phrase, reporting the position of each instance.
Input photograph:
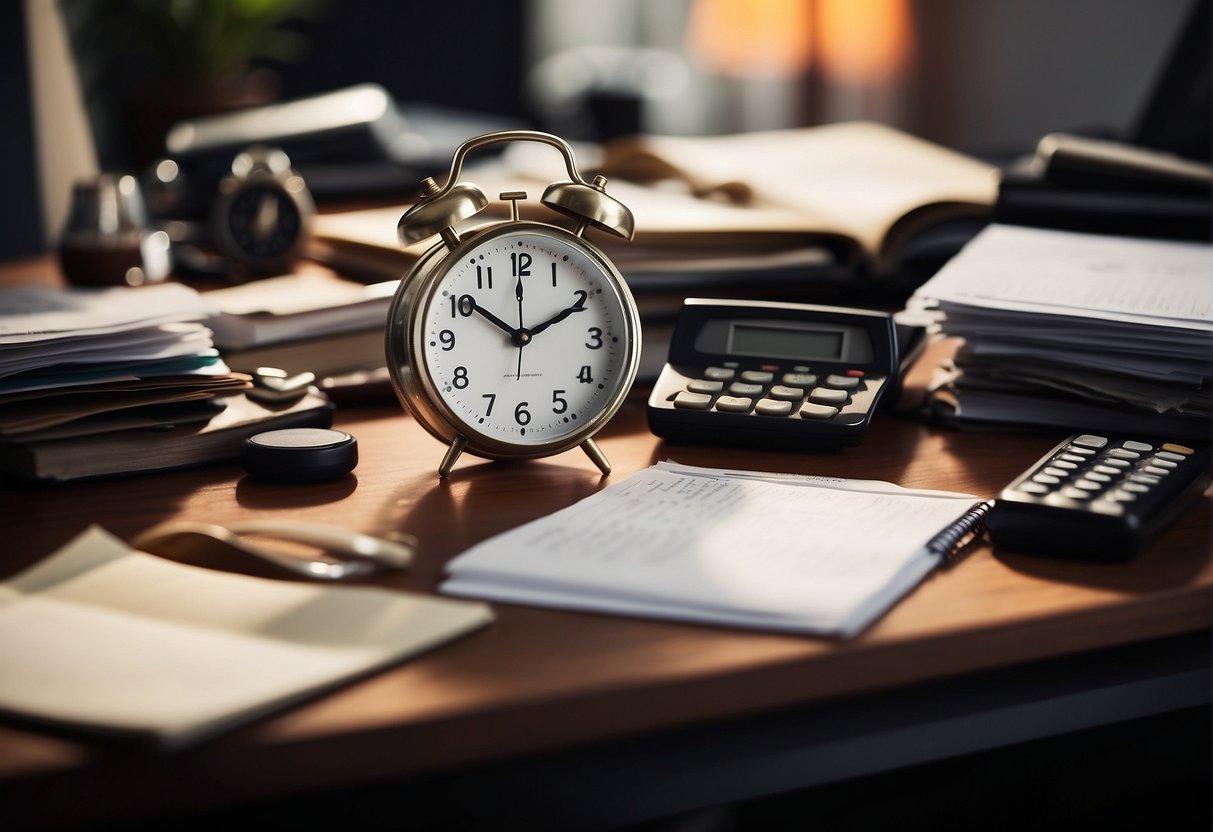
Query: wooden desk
(540, 682)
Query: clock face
(263, 222)
(527, 337)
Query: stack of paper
(1075, 330)
(746, 549)
(87, 367)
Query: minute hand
(557, 318)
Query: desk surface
(543, 680)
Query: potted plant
(146, 64)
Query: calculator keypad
(769, 392)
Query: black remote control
(1097, 497)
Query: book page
(806, 553)
(857, 178)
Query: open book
(858, 194)
(102, 637)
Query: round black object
(299, 455)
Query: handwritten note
(807, 554)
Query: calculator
(776, 375)
(1098, 497)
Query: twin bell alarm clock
(514, 339)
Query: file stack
(102, 381)
(1081, 331)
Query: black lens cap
(299, 455)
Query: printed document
(769, 551)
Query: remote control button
(1170, 456)
(1148, 479)
(719, 373)
(1117, 463)
(1097, 477)
(1182, 450)
(702, 385)
(1122, 453)
(1055, 472)
(787, 394)
(1075, 493)
(1136, 446)
(1088, 485)
(1088, 440)
(692, 401)
(757, 377)
(739, 388)
(1107, 507)
(808, 410)
(1072, 458)
(842, 382)
(1061, 501)
(1033, 488)
(1120, 496)
(801, 368)
(770, 407)
(1164, 463)
(1155, 470)
(1136, 487)
(856, 373)
(1106, 469)
(799, 379)
(824, 395)
(1063, 464)
(734, 404)
(1046, 479)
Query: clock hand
(558, 317)
(495, 321)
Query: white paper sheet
(781, 552)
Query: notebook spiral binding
(955, 541)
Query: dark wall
(466, 55)
(20, 216)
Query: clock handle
(440, 208)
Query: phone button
(702, 385)
(770, 407)
(719, 373)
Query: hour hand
(495, 321)
(557, 318)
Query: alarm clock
(262, 213)
(515, 339)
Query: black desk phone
(777, 375)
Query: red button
(855, 373)
(769, 368)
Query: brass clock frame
(437, 213)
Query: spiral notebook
(819, 555)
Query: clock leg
(452, 454)
(595, 453)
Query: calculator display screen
(795, 344)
